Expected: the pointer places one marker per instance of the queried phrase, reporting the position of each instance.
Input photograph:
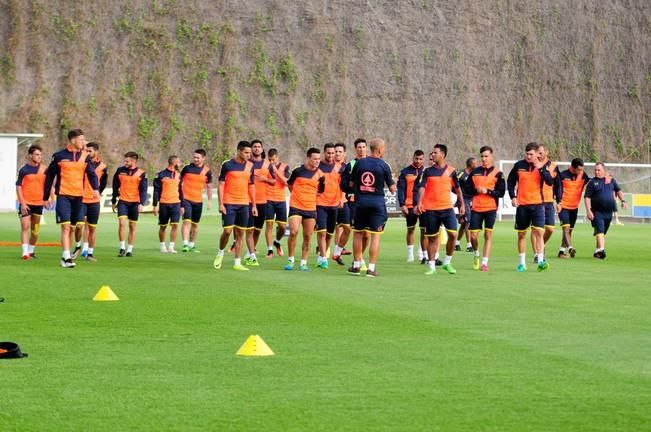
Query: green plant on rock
(146, 127)
(288, 73)
(8, 68)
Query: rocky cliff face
(167, 76)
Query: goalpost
(634, 180)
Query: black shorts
(371, 218)
(550, 212)
(531, 215)
(303, 214)
(435, 218)
(486, 219)
(351, 209)
(128, 210)
(236, 216)
(467, 205)
(192, 211)
(326, 218)
(90, 212)
(68, 209)
(278, 211)
(343, 215)
(601, 221)
(568, 217)
(32, 210)
(264, 214)
(169, 214)
(411, 218)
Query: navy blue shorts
(90, 212)
(303, 214)
(169, 214)
(128, 210)
(486, 219)
(568, 217)
(467, 204)
(192, 211)
(531, 215)
(422, 221)
(601, 221)
(371, 218)
(343, 215)
(264, 214)
(411, 218)
(68, 209)
(278, 211)
(236, 216)
(351, 209)
(326, 219)
(550, 212)
(32, 210)
(435, 218)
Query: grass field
(567, 349)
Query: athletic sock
(523, 258)
(185, 243)
(77, 245)
(561, 249)
(162, 245)
(338, 250)
(447, 259)
(91, 250)
(129, 248)
(425, 255)
(270, 249)
(457, 243)
(122, 244)
(66, 254)
(31, 248)
(238, 261)
(303, 262)
(172, 245)
(25, 249)
(291, 259)
(476, 253)
(410, 250)
(371, 267)
(191, 244)
(541, 257)
(468, 245)
(252, 256)
(431, 264)
(220, 252)
(356, 264)
(85, 247)
(436, 256)
(484, 261)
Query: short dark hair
(202, 152)
(443, 148)
(469, 161)
(242, 145)
(600, 163)
(327, 146)
(313, 150)
(577, 162)
(171, 159)
(359, 140)
(486, 148)
(131, 154)
(256, 141)
(419, 152)
(340, 144)
(74, 133)
(531, 146)
(31, 149)
(93, 145)
(272, 152)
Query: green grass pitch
(568, 349)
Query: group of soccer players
(328, 195)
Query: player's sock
(356, 264)
(252, 256)
(290, 259)
(91, 250)
(522, 258)
(191, 244)
(270, 248)
(425, 255)
(77, 245)
(129, 248)
(66, 254)
(457, 243)
(237, 262)
(303, 262)
(561, 249)
(371, 267)
(436, 256)
(338, 250)
(247, 256)
(84, 248)
(484, 261)
(162, 245)
(25, 249)
(31, 248)
(362, 262)
(123, 244)
(220, 252)
(468, 245)
(410, 250)
(541, 257)
(447, 259)
(185, 243)
(172, 245)
(476, 253)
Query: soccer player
(167, 192)
(129, 196)
(485, 186)
(263, 178)
(343, 230)
(195, 177)
(277, 203)
(367, 179)
(464, 221)
(345, 179)
(90, 207)
(29, 190)
(569, 186)
(66, 173)
(599, 203)
(327, 204)
(406, 183)
(528, 175)
(304, 183)
(548, 196)
(236, 192)
(435, 204)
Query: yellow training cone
(105, 293)
(254, 346)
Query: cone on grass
(254, 346)
(105, 293)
